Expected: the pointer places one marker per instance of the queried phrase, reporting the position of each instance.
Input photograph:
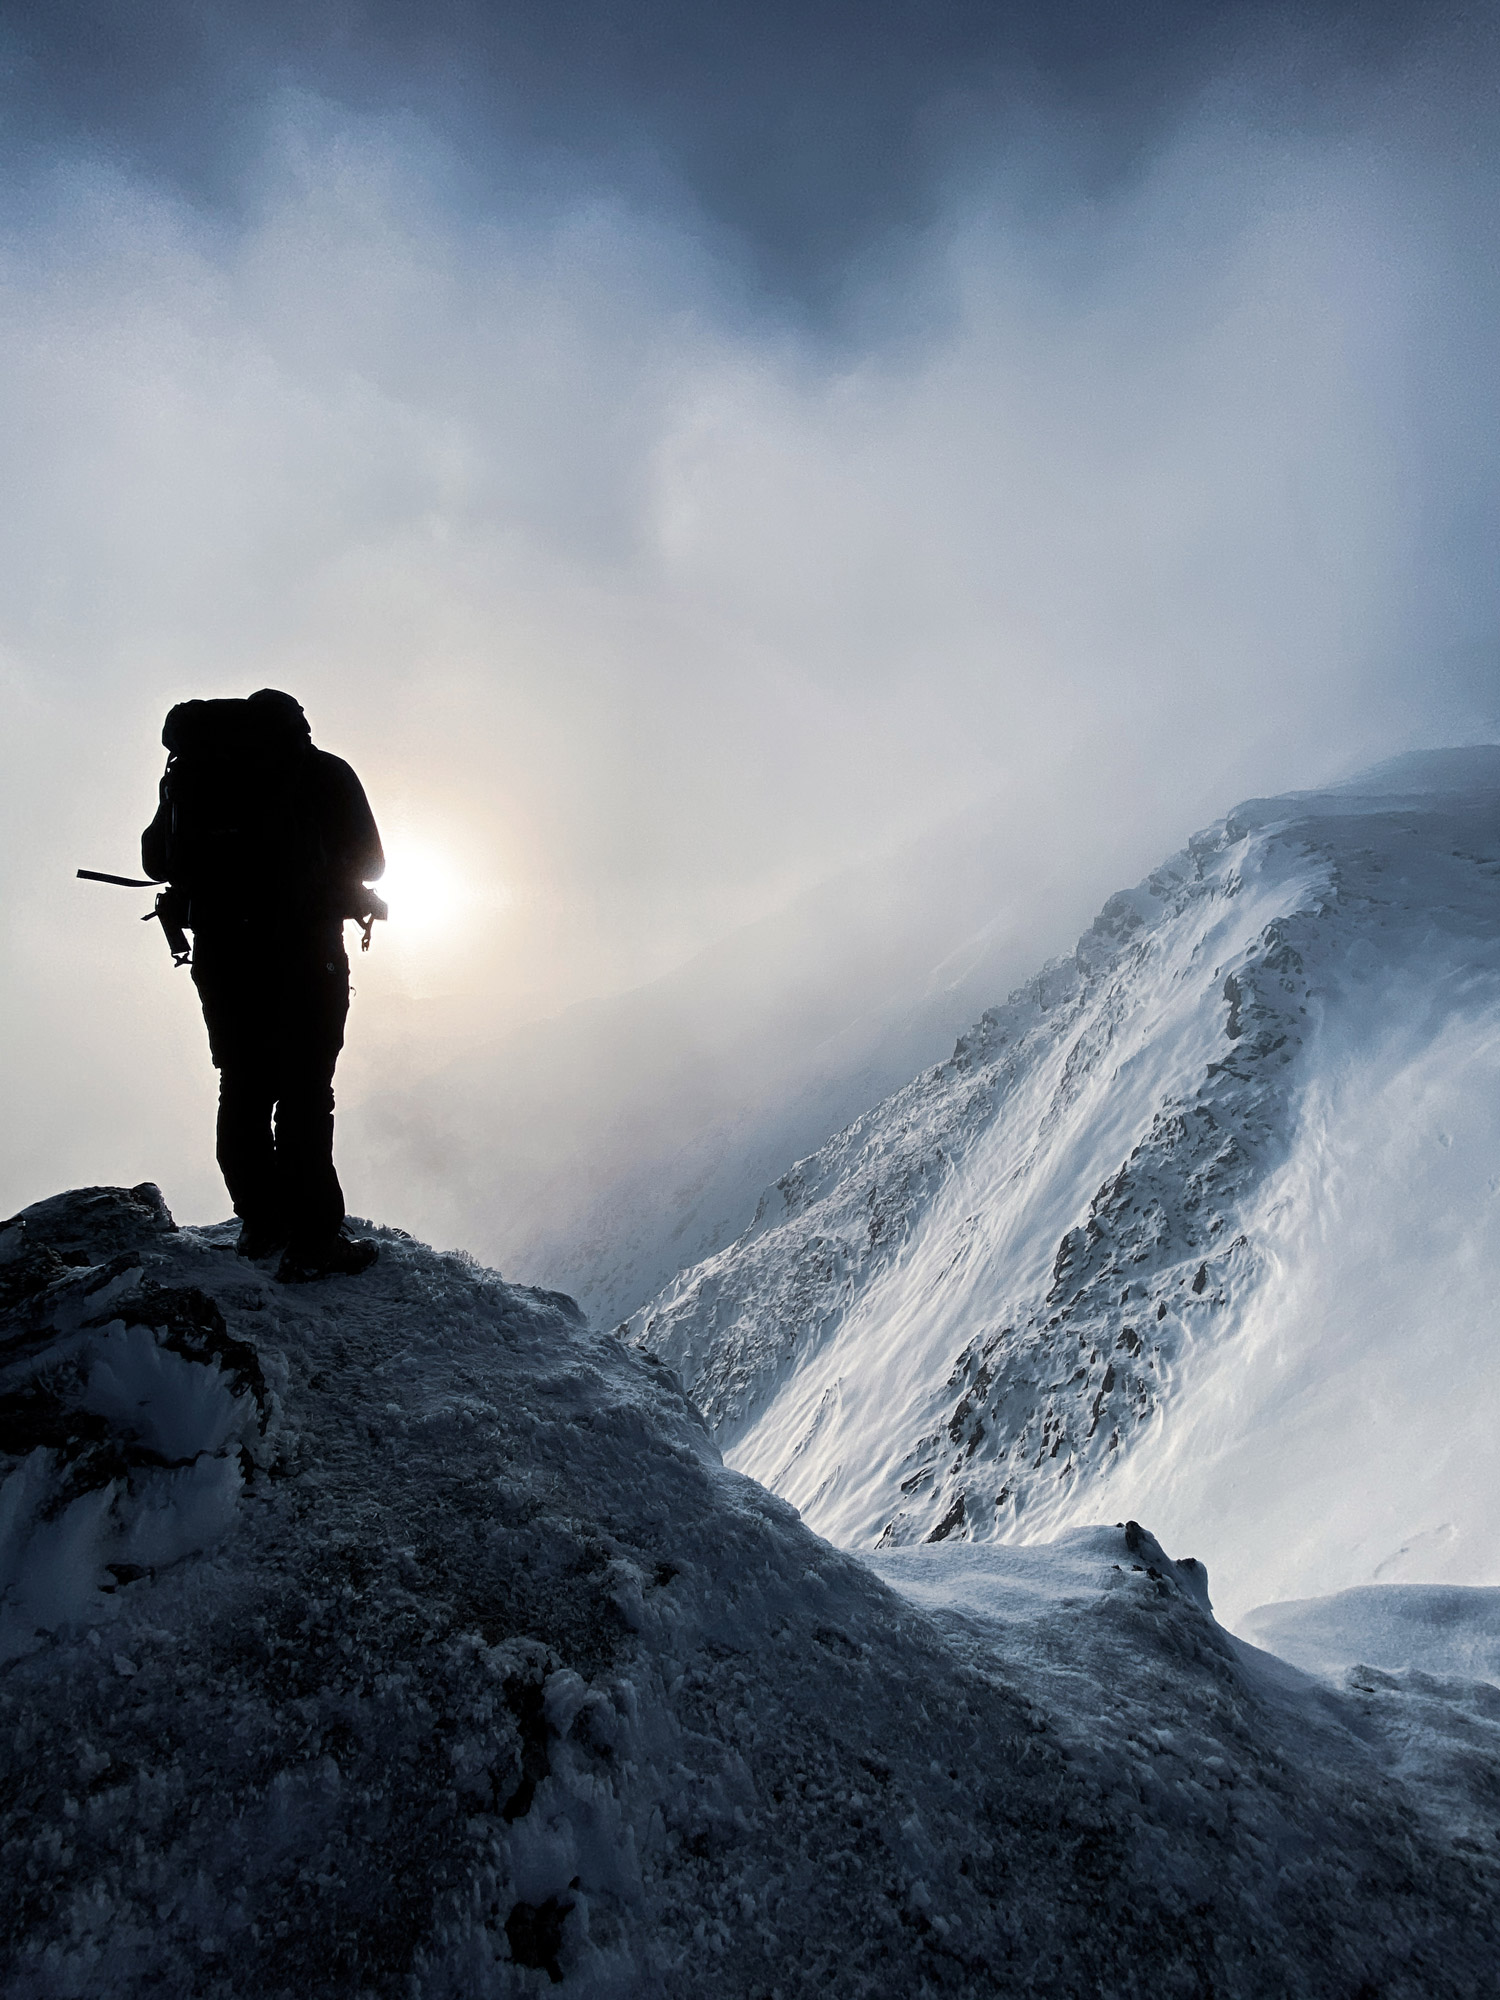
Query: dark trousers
(275, 1001)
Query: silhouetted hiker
(267, 844)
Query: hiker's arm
(372, 854)
(355, 840)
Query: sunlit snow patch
(1012, 1582)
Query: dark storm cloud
(802, 133)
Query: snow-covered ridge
(990, 1307)
(483, 1675)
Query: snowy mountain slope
(478, 1673)
(1198, 1227)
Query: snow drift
(403, 1636)
(1200, 1227)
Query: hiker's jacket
(295, 850)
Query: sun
(426, 892)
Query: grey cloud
(658, 614)
(802, 133)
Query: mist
(747, 689)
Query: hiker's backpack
(237, 826)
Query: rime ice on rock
(129, 1413)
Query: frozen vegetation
(1200, 1227)
(405, 1636)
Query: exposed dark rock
(94, 1223)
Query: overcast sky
(679, 453)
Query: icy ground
(1201, 1227)
(402, 1636)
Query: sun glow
(426, 892)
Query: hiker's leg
(235, 1014)
(304, 1154)
(316, 1006)
(246, 1150)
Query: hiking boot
(337, 1256)
(259, 1239)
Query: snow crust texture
(1133, 1248)
(481, 1674)
(1443, 1630)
